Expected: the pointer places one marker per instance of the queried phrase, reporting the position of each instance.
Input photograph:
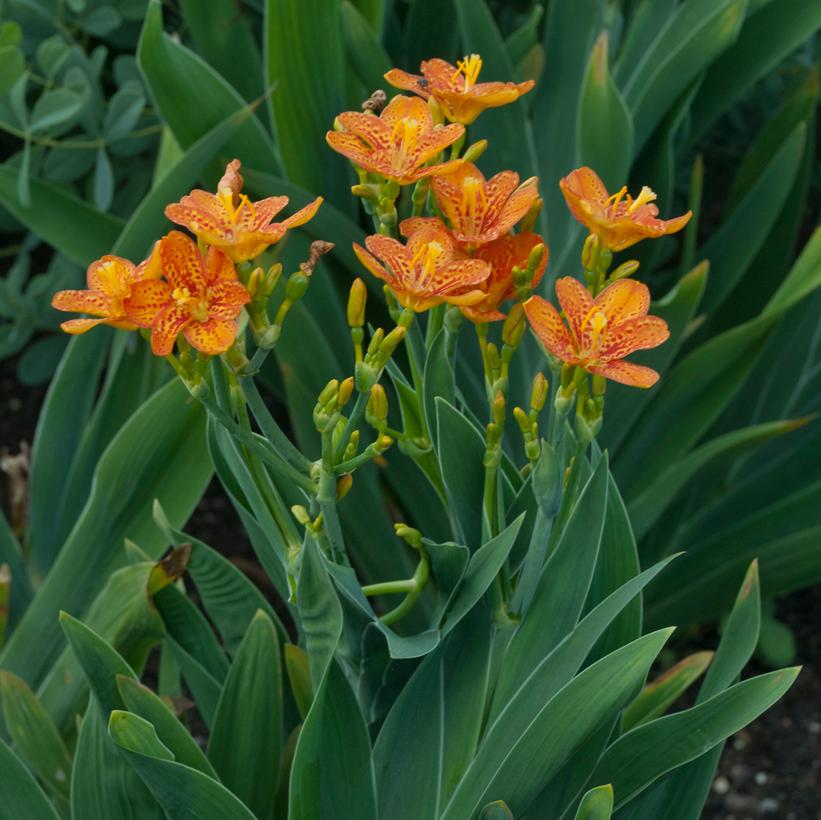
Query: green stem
(389, 587)
(327, 501)
(414, 586)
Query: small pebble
(814, 726)
(768, 805)
(761, 778)
(739, 743)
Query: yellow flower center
(405, 138)
(427, 256)
(227, 197)
(116, 283)
(645, 195)
(596, 319)
(470, 67)
(197, 307)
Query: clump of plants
(486, 658)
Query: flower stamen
(470, 67)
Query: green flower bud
(356, 303)
(296, 286)
(409, 535)
(590, 252)
(475, 151)
(624, 270)
(343, 486)
(538, 394)
(514, 326)
(376, 412)
(391, 341)
(345, 390)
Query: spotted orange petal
(77, 326)
(82, 301)
(263, 211)
(624, 299)
(372, 265)
(392, 253)
(634, 375)
(182, 262)
(351, 147)
(212, 337)
(201, 218)
(408, 82)
(575, 301)
(166, 327)
(227, 299)
(148, 298)
(218, 266)
(408, 227)
(548, 326)
(641, 333)
(303, 215)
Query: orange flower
(202, 298)
(427, 271)
(503, 254)
(398, 143)
(455, 87)
(229, 220)
(618, 220)
(110, 282)
(479, 210)
(600, 332)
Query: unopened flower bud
(590, 252)
(498, 409)
(376, 412)
(301, 514)
(383, 443)
(624, 270)
(493, 357)
(538, 393)
(536, 256)
(353, 445)
(522, 420)
(296, 286)
(392, 340)
(435, 110)
(328, 392)
(343, 486)
(356, 303)
(514, 327)
(408, 534)
(599, 385)
(475, 151)
(255, 281)
(376, 341)
(365, 190)
(345, 390)
(272, 278)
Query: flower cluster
(465, 253)
(185, 286)
(465, 240)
